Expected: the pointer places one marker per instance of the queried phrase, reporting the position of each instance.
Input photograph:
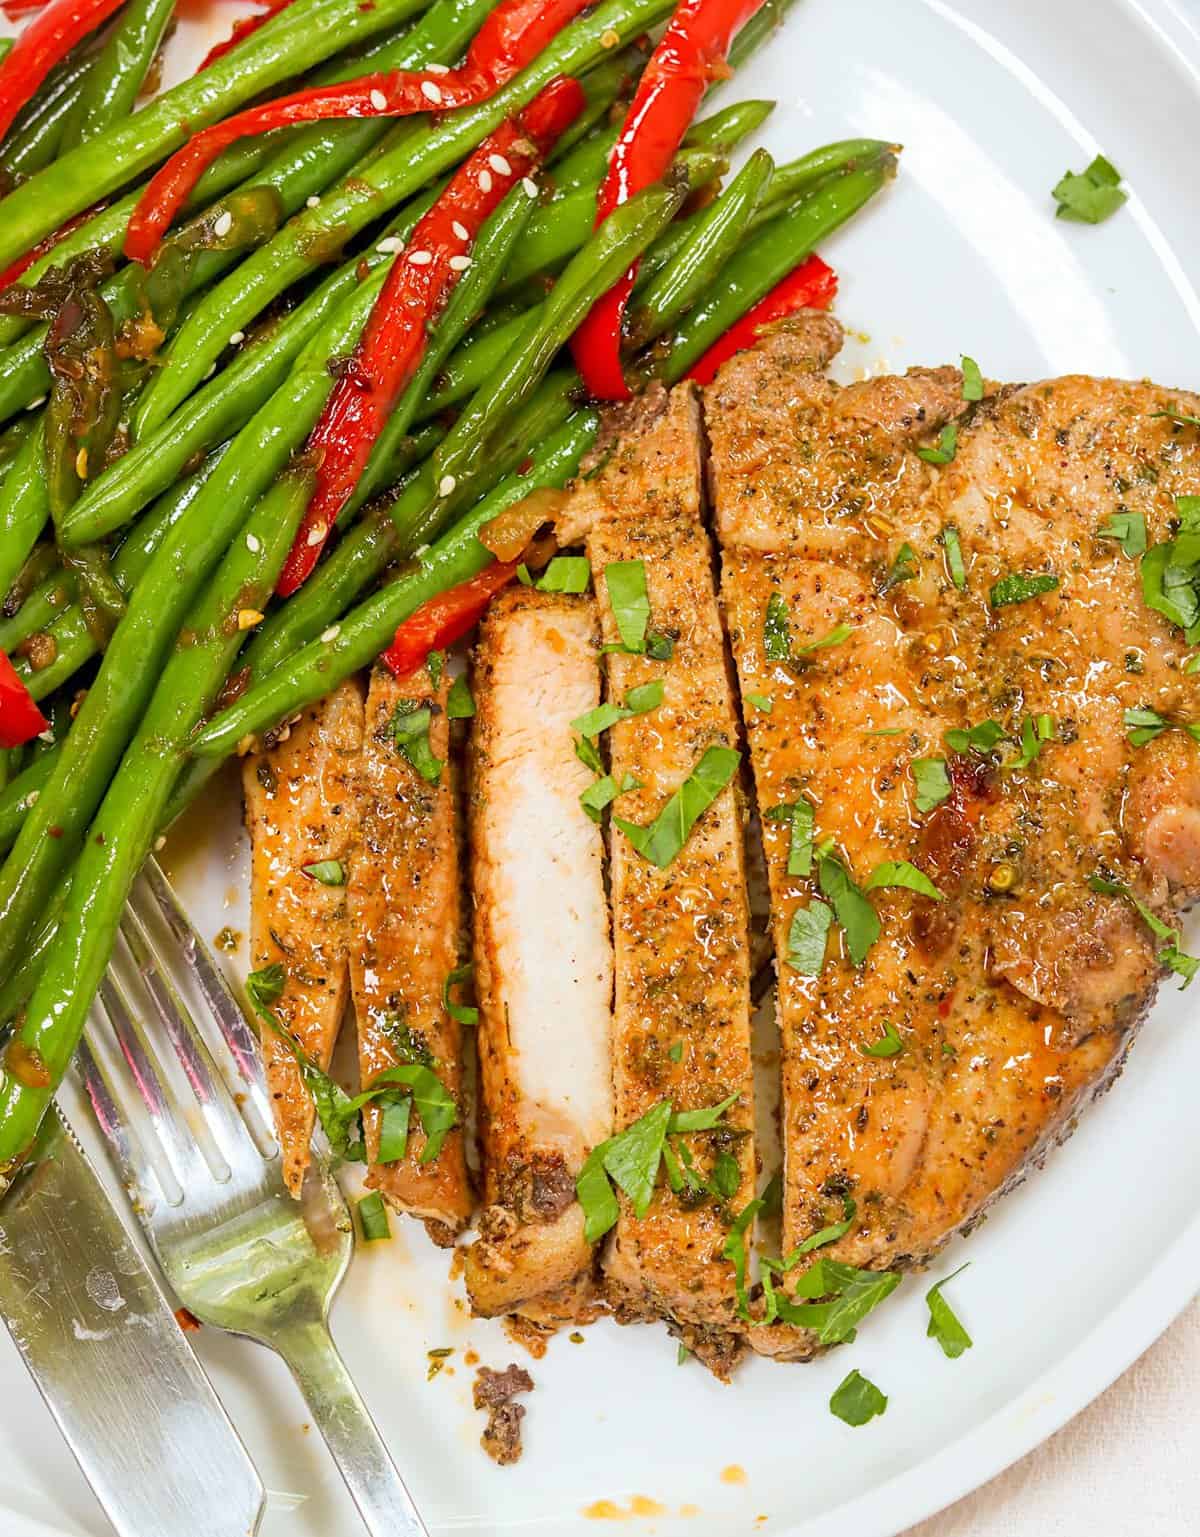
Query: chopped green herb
(905, 568)
(265, 987)
(856, 1400)
(329, 872)
(629, 600)
(435, 663)
(647, 696)
(1143, 725)
(726, 1175)
(682, 1354)
(1171, 955)
(932, 780)
(886, 731)
(823, 1236)
(952, 545)
(972, 385)
(858, 919)
(852, 1294)
(566, 573)
(523, 575)
(409, 727)
(944, 1325)
(1129, 530)
(1181, 417)
(947, 446)
(660, 648)
(806, 938)
(799, 815)
(463, 1013)
(373, 1218)
(395, 1114)
(834, 637)
(1033, 733)
(701, 1120)
(734, 1250)
(1192, 664)
(676, 1051)
(663, 839)
(762, 702)
(1019, 586)
(1171, 572)
(777, 629)
(603, 792)
(898, 873)
(981, 738)
(460, 703)
(1091, 196)
(600, 1208)
(890, 1044)
(632, 1157)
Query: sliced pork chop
(300, 805)
(405, 918)
(1015, 996)
(681, 1024)
(543, 957)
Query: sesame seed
(316, 534)
(389, 244)
(378, 100)
(123, 426)
(500, 165)
(223, 225)
(46, 736)
(253, 544)
(485, 181)
(331, 633)
(81, 463)
(437, 69)
(160, 843)
(248, 618)
(531, 187)
(459, 263)
(461, 230)
(34, 404)
(237, 338)
(431, 92)
(312, 202)
(446, 485)
(420, 258)
(32, 799)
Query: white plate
(1078, 1272)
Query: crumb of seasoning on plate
(734, 1474)
(228, 939)
(187, 1320)
(575, 1337)
(437, 1359)
(494, 1391)
(471, 1358)
(689, 1510)
(609, 1510)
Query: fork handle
(375, 1485)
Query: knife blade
(101, 1342)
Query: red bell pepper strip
(242, 30)
(513, 35)
(40, 47)
(810, 286)
(20, 718)
(418, 285)
(689, 57)
(441, 621)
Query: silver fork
(237, 1250)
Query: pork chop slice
(681, 1022)
(1002, 1006)
(543, 956)
(405, 914)
(300, 811)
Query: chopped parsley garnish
(1143, 725)
(889, 1044)
(566, 573)
(858, 919)
(856, 1400)
(265, 987)
(465, 1014)
(1034, 731)
(851, 1294)
(952, 545)
(799, 815)
(460, 702)
(647, 696)
(393, 1130)
(806, 939)
(734, 1250)
(1171, 955)
(675, 1051)
(834, 637)
(817, 1240)
(604, 791)
(905, 568)
(629, 601)
(1091, 196)
(777, 629)
(972, 385)
(1128, 529)
(895, 874)
(663, 839)
(409, 727)
(330, 872)
(1179, 417)
(1171, 572)
(947, 446)
(762, 702)
(700, 1120)
(373, 1218)
(1020, 586)
(932, 780)
(944, 1325)
(981, 738)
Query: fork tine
(221, 1114)
(131, 1168)
(214, 988)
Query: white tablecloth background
(1128, 1465)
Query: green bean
(74, 643)
(33, 140)
(365, 631)
(765, 21)
(126, 823)
(289, 43)
(711, 242)
(16, 987)
(24, 506)
(602, 85)
(114, 83)
(768, 256)
(43, 604)
(417, 151)
(15, 797)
